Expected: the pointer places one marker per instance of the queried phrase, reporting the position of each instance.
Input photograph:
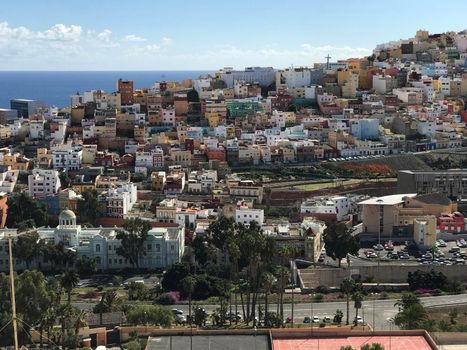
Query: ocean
(54, 88)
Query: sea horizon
(54, 87)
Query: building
(24, 107)
(393, 217)
(43, 182)
(452, 182)
(8, 181)
(67, 157)
(245, 215)
(327, 209)
(245, 189)
(125, 88)
(8, 115)
(164, 246)
(263, 76)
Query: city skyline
(203, 36)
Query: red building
(453, 223)
(217, 154)
(125, 88)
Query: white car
(315, 319)
(358, 320)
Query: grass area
(442, 313)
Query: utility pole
(13, 301)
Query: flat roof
(388, 200)
(415, 342)
(211, 342)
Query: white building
(163, 247)
(120, 200)
(168, 117)
(67, 156)
(8, 180)
(327, 207)
(245, 215)
(43, 182)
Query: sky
(207, 34)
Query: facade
(264, 76)
(164, 246)
(43, 182)
(452, 183)
(245, 215)
(67, 157)
(25, 108)
(125, 88)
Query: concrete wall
(391, 273)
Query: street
(374, 312)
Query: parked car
(315, 319)
(378, 247)
(358, 320)
(440, 243)
(307, 319)
(327, 319)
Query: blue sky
(207, 34)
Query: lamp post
(390, 322)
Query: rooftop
(388, 200)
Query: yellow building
(158, 180)
(5, 132)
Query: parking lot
(446, 253)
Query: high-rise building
(125, 88)
(25, 107)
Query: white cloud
(167, 41)
(104, 35)
(58, 32)
(66, 47)
(132, 37)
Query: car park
(378, 247)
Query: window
(98, 248)
(172, 247)
(149, 247)
(98, 260)
(158, 248)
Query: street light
(390, 321)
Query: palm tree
(107, 303)
(357, 298)
(68, 281)
(347, 287)
(269, 280)
(188, 285)
(412, 317)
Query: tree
(108, 303)
(348, 347)
(188, 285)
(199, 316)
(172, 277)
(269, 280)
(86, 266)
(357, 297)
(339, 241)
(68, 281)
(150, 315)
(412, 314)
(133, 239)
(22, 207)
(88, 206)
(338, 316)
(64, 180)
(374, 346)
(407, 300)
(347, 287)
(28, 247)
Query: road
(375, 312)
